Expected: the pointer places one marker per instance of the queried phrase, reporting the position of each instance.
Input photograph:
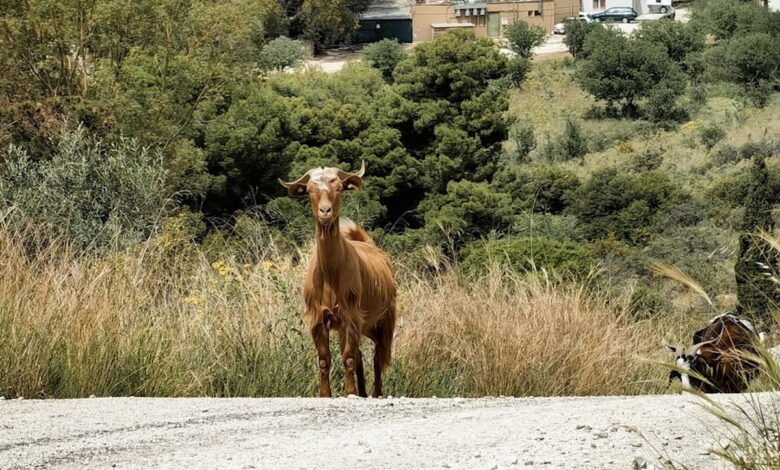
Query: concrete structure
(486, 18)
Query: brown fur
(349, 284)
(725, 360)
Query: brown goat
(722, 354)
(349, 284)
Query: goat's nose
(326, 210)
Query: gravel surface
(489, 433)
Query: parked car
(624, 14)
(560, 28)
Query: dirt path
(490, 433)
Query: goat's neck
(331, 250)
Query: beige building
(488, 18)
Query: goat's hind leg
(382, 335)
(361, 377)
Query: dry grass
(163, 320)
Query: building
(487, 18)
(386, 19)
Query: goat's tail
(351, 231)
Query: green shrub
(540, 189)
(572, 143)
(469, 209)
(528, 254)
(517, 70)
(679, 39)
(623, 204)
(726, 19)
(385, 55)
(90, 194)
(523, 37)
(754, 61)
(621, 70)
(576, 33)
(282, 53)
(711, 134)
(522, 133)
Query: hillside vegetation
(527, 206)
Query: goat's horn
(344, 175)
(693, 349)
(302, 180)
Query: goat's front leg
(350, 354)
(320, 335)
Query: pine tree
(756, 295)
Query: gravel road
(350, 433)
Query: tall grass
(163, 319)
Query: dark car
(624, 14)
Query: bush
(726, 19)
(711, 134)
(623, 204)
(517, 70)
(524, 37)
(470, 209)
(522, 133)
(576, 33)
(542, 189)
(384, 56)
(89, 194)
(754, 61)
(572, 144)
(679, 39)
(528, 254)
(622, 70)
(282, 53)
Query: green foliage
(523, 37)
(726, 19)
(622, 70)
(756, 293)
(541, 189)
(624, 205)
(572, 144)
(528, 254)
(754, 61)
(710, 134)
(327, 22)
(88, 194)
(282, 53)
(384, 56)
(522, 133)
(679, 39)
(518, 69)
(469, 209)
(576, 33)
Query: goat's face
(685, 360)
(324, 186)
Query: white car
(560, 28)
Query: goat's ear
(673, 349)
(351, 182)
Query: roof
(388, 10)
(452, 25)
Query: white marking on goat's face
(684, 364)
(324, 189)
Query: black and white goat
(723, 353)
